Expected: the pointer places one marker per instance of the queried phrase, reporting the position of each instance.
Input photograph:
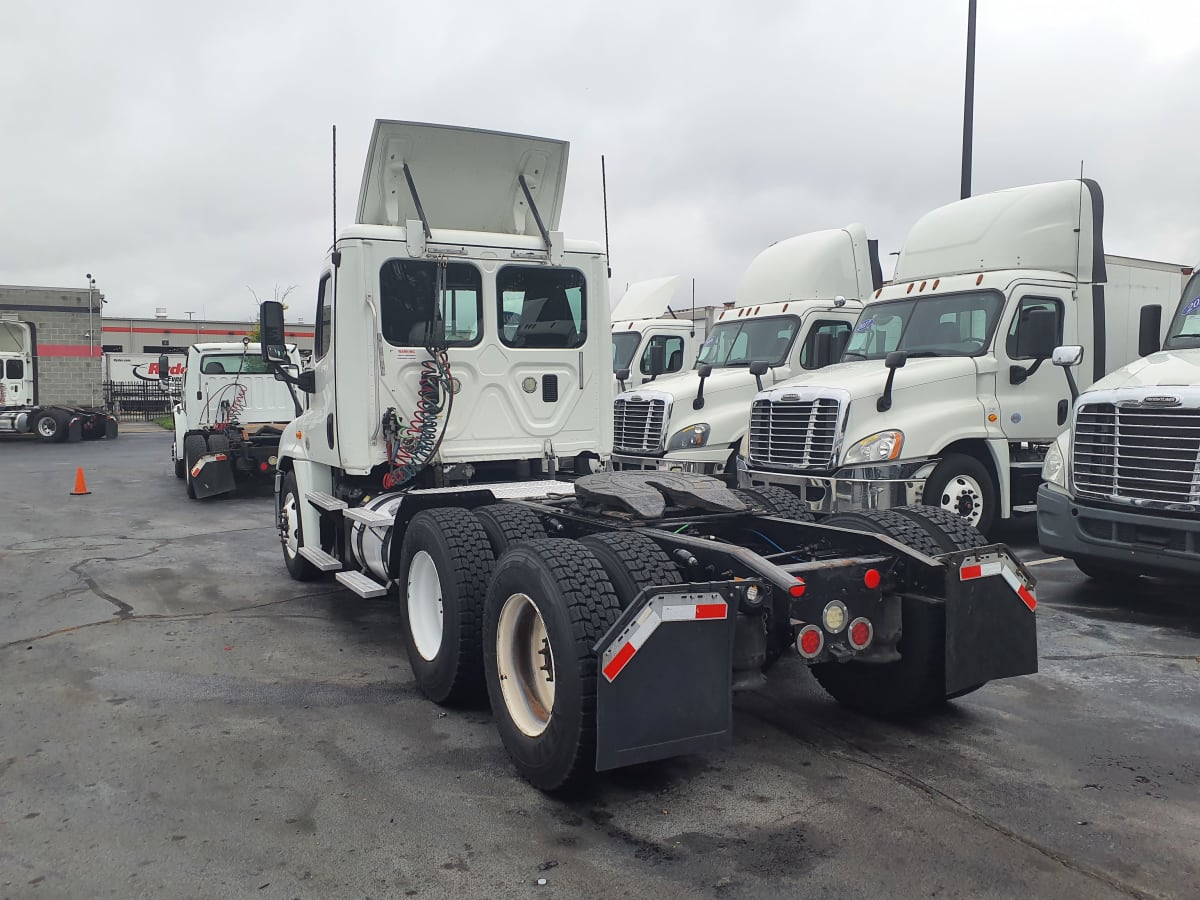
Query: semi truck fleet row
(815, 472)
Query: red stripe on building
(68, 350)
(223, 332)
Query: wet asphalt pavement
(179, 719)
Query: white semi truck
(646, 338)
(1121, 492)
(793, 311)
(942, 396)
(229, 415)
(459, 377)
(27, 406)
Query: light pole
(968, 104)
(92, 335)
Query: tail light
(810, 642)
(860, 633)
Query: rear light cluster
(810, 642)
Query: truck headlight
(1054, 466)
(882, 446)
(692, 436)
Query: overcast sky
(182, 153)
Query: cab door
(1031, 407)
(321, 434)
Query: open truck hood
(466, 179)
(646, 299)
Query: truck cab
(460, 339)
(794, 305)
(642, 331)
(16, 365)
(229, 415)
(1121, 491)
(942, 396)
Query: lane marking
(1042, 562)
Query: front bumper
(707, 461)
(1147, 543)
(851, 488)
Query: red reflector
(810, 641)
(263, 467)
(860, 634)
(613, 669)
(966, 573)
(797, 589)
(710, 610)
(871, 578)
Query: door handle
(329, 430)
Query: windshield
(1184, 332)
(625, 344)
(233, 364)
(740, 343)
(953, 325)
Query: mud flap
(74, 429)
(664, 675)
(212, 474)
(110, 428)
(991, 628)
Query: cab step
(326, 502)
(319, 558)
(369, 517)
(363, 585)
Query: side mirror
(622, 377)
(758, 369)
(1070, 355)
(822, 350)
(286, 373)
(1036, 334)
(703, 370)
(164, 369)
(658, 358)
(307, 381)
(1149, 328)
(271, 331)
(894, 360)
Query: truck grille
(638, 424)
(1134, 453)
(796, 433)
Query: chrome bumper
(849, 489)
(620, 462)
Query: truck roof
(646, 299)
(788, 307)
(820, 265)
(465, 178)
(1054, 227)
(232, 347)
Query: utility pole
(968, 103)
(92, 335)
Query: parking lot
(179, 718)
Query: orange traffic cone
(80, 484)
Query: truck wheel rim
(963, 496)
(47, 426)
(425, 610)
(290, 523)
(526, 665)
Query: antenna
(693, 334)
(604, 194)
(1079, 227)
(335, 187)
